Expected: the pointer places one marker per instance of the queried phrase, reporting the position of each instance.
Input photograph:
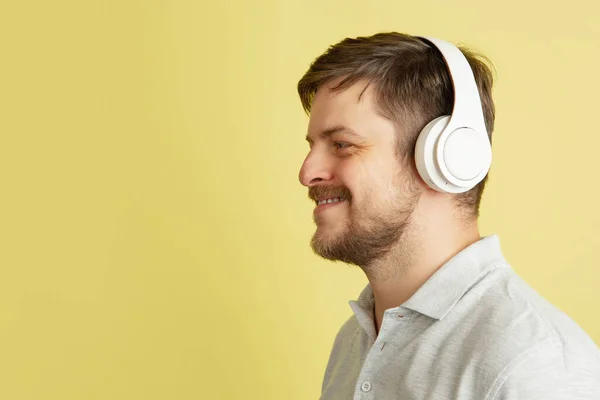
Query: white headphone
(453, 152)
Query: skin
(356, 157)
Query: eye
(341, 145)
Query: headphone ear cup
(425, 153)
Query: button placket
(392, 322)
(366, 386)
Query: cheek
(352, 177)
(370, 179)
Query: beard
(370, 233)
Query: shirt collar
(440, 293)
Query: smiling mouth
(330, 201)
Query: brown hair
(412, 86)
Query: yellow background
(153, 233)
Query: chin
(329, 231)
(326, 237)
(323, 237)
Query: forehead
(353, 107)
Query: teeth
(329, 201)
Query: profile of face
(363, 196)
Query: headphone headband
(467, 110)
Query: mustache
(319, 192)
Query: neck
(418, 255)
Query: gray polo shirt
(474, 330)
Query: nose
(315, 169)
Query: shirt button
(366, 386)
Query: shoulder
(514, 334)
(546, 372)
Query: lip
(325, 206)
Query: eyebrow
(336, 129)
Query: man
(443, 316)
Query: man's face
(353, 165)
